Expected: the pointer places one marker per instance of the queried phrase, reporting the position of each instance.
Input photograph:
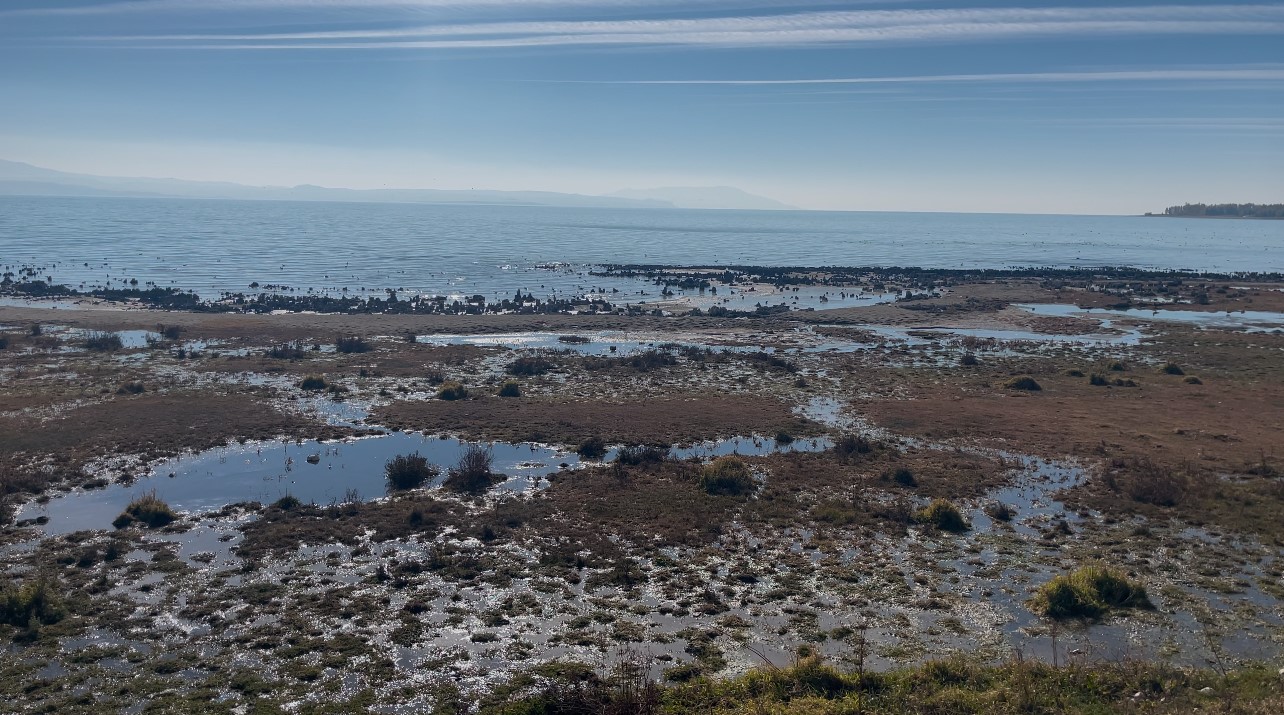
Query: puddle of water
(1245, 319)
(331, 472)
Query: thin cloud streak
(223, 6)
(1178, 75)
(799, 29)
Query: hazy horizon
(876, 105)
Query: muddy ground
(1150, 446)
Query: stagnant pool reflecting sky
(1096, 107)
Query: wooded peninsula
(1224, 211)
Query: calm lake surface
(223, 246)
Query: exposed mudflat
(293, 574)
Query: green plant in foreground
(148, 510)
(452, 390)
(34, 602)
(727, 475)
(1088, 592)
(942, 514)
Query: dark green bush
(641, 454)
(103, 342)
(472, 474)
(351, 344)
(727, 475)
(592, 448)
(1098, 379)
(407, 471)
(510, 388)
(148, 510)
(529, 366)
(314, 382)
(1023, 382)
(131, 388)
(1172, 368)
(36, 601)
(1088, 592)
(942, 514)
(287, 502)
(452, 390)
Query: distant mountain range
(17, 178)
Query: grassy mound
(727, 475)
(147, 510)
(452, 390)
(407, 471)
(510, 388)
(1023, 382)
(1088, 592)
(314, 382)
(942, 514)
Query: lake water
(217, 246)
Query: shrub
(529, 366)
(452, 390)
(592, 448)
(574, 339)
(849, 445)
(1192, 380)
(510, 388)
(727, 475)
(1088, 592)
(1098, 379)
(1022, 382)
(287, 502)
(4, 342)
(1116, 366)
(472, 474)
(1150, 483)
(999, 511)
(36, 601)
(407, 471)
(351, 344)
(147, 510)
(131, 388)
(942, 514)
(904, 477)
(968, 360)
(287, 351)
(641, 454)
(103, 342)
(1172, 368)
(783, 437)
(314, 382)
(1074, 372)
(170, 332)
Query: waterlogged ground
(361, 598)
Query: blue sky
(1096, 107)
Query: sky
(1094, 107)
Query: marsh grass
(148, 510)
(451, 390)
(407, 471)
(103, 342)
(1089, 592)
(727, 475)
(943, 515)
(1023, 382)
(510, 388)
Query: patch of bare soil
(151, 426)
(662, 421)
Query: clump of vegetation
(103, 342)
(452, 390)
(314, 382)
(1074, 372)
(510, 388)
(1088, 592)
(1116, 366)
(942, 514)
(592, 448)
(641, 454)
(407, 471)
(1124, 382)
(1192, 380)
(351, 344)
(999, 511)
(148, 510)
(287, 351)
(904, 477)
(1023, 382)
(529, 366)
(472, 474)
(1148, 482)
(574, 339)
(287, 502)
(1172, 368)
(35, 602)
(170, 332)
(968, 360)
(131, 388)
(783, 438)
(4, 342)
(850, 446)
(1098, 379)
(727, 475)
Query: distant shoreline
(1239, 218)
